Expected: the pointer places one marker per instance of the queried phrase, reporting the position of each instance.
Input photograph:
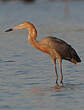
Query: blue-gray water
(27, 77)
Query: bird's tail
(74, 57)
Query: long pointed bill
(9, 30)
(21, 26)
(12, 29)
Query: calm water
(27, 77)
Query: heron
(57, 49)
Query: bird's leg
(56, 74)
(54, 61)
(61, 75)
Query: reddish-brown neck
(32, 37)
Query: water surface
(27, 77)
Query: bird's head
(24, 25)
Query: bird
(56, 48)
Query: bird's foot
(61, 84)
(57, 86)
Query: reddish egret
(56, 48)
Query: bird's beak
(8, 30)
(12, 29)
(21, 26)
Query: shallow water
(27, 77)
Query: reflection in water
(43, 91)
(53, 95)
(55, 89)
(39, 91)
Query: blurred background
(27, 77)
